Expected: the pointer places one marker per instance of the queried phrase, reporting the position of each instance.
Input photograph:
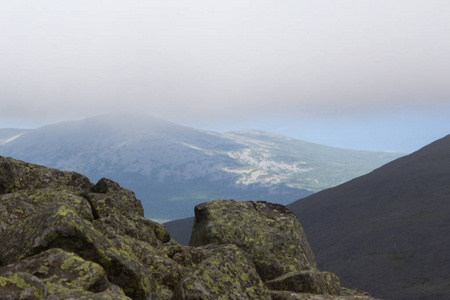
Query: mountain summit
(390, 227)
(173, 167)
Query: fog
(222, 60)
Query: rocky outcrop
(65, 238)
(269, 233)
(274, 241)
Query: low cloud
(222, 60)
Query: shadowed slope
(389, 227)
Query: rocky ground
(65, 238)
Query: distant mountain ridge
(172, 167)
(391, 227)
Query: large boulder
(226, 274)
(269, 233)
(59, 226)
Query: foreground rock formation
(65, 238)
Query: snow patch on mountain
(10, 139)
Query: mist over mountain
(390, 227)
(172, 167)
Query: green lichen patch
(61, 270)
(227, 274)
(21, 286)
(269, 233)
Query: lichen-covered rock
(269, 233)
(22, 286)
(17, 175)
(19, 205)
(109, 198)
(313, 282)
(284, 295)
(61, 271)
(13, 210)
(353, 292)
(136, 227)
(226, 274)
(113, 292)
(166, 271)
(66, 275)
(189, 257)
(59, 226)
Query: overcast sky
(362, 74)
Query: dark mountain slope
(181, 229)
(391, 227)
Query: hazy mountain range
(171, 167)
(385, 232)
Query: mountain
(390, 227)
(171, 167)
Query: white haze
(204, 61)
